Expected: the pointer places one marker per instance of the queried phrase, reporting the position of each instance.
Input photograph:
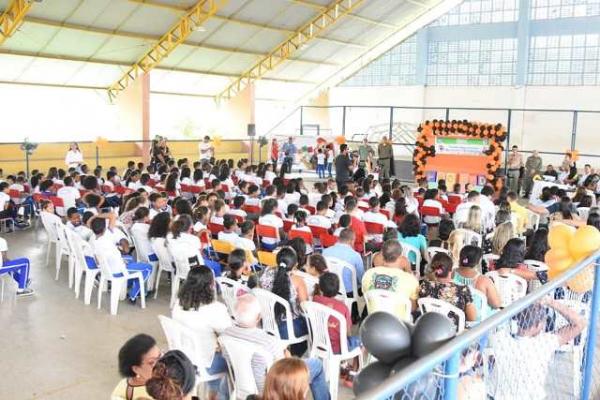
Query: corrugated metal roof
(91, 42)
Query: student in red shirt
(329, 286)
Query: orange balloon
(582, 282)
(559, 259)
(560, 235)
(340, 140)
(553, 273)
(585, 241)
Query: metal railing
(449, 355)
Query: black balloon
(385, 336)
(432, 330)
(370, 376)
(402, 363)
(424, 388)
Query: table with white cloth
(536, 192)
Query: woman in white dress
(74, 157)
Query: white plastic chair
(535, 266)
(180, 337)
(144, 256)
(118, 284)
(433, 250)
(50, 228)
(318, 316)
(7, 279)
(510, 287)
(309, 280)
(471, 237)
(533, 220)
(81, 267)
(239, 355)
(489, 258)
(408, 249)
(584, 212)
(389, 302)
(63, 249)
(182, 267)
(229, 292)
(456, 315)
(338, 266)
(165, 261)
(267, 302)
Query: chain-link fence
(542, 346)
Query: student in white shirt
(75, 224)
(105, 248)
(245, 240)
(270, 219)
(320, 219)
(321, 161)
(269, 174)
(316, 196)
(229, 233)
(139, 231)
(144, 183)
(238, 203)
(220, 209)
(133, 181)
(158, 204)
(373, 215)
(5, 205)
(300, 225)
(431, 200)
(68, 193)
(253, 193)
(200, 216)
(182, 243)
(74, 157)
(206, 149)
(198, 309)
(343, 223)
(47, 215)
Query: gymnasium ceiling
(91, 43)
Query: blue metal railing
(450, 352)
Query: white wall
(49, 114)
(529, 130)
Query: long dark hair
(180, 225)
(159, 227)
(539, 245)
(513, 254)
(299, 246)
(410, 226)
(594, 220)
(171, 183)
(286, 260)
(197, 289)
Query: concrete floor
(54, 346)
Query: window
(480, 12)
(564, 60)
(554, 9)
(472, 63)
(397, 67)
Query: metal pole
(301, 120)
(252, 150)
(574, 130)
(97, 156)
(451, 377)
(590, 349)
(391, 122)
(506, 150)
(344, 121)
(27, 163)
(447, 114)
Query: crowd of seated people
(414, 242)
